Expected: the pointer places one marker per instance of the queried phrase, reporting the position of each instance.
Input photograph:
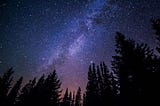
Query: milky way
(71, 56)
(67, 35)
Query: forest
(133, 81)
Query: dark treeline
(133, 81)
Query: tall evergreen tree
(66, 99)
(51, 90)
(99, 87)
(70, 98)
(99, 80)
(92, 93)
(114, 86)
(119, 64)
(73, 99)
(45, 92)
(12, 96)
(133, 65)
(37, 91)
(156, 27)
(78, 98)
(106, 93)
(5, 84)
(25, 97)
(84, 100)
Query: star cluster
(37, 36)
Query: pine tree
(70, 98)
(92, 93)
(106, 93)
(45, 92)
(66, 101)
(51, 90)
(73, 99)
(99, 80)
(37, 91)
(119, 65)
(114, 84)
(115, 89)
(155, 85)
(78, 98)
(25, 97)
(12, 96)
(133, 65)
(5, 84)
(84, 100)
(156, 27)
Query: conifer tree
(5, 84)
(73, 99)
(133, 65)
(66, 101)
(78, 98)
(156, 27)
(92, 93)
(84, 100)
(12, 96)
(70, 98)
(25, 97)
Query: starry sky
(37, 36)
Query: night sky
(37, 36)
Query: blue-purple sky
(37, 36)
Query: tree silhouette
(118, 64)
(100, 89)
(115, 90)
(66, 99)
(25, 97)
(156, 72)
(45, 92)
(134, 67)
(106, 93)
(73, 99)
(84, 99)
(156, 27)
(78, 98)
(5, 84)
(70, 98)
(52, 89)
(12, 96)
(92, 94)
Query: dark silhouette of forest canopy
(132, 81)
